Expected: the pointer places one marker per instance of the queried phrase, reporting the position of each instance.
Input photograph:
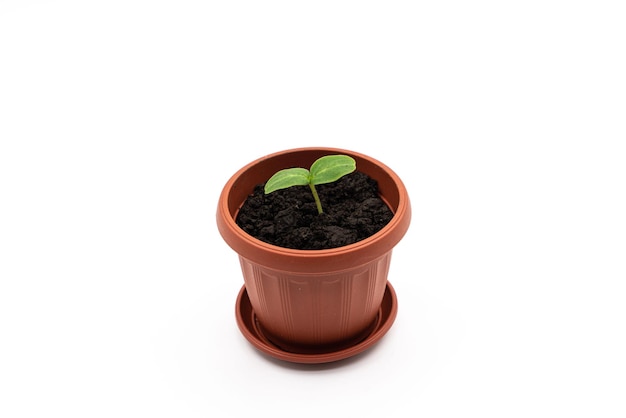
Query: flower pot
(313, 306)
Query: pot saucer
(248, 325)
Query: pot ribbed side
(316, 310)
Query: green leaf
(287, 178)
(331, 168)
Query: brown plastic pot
(314, 305)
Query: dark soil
(288, 218)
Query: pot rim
(251, 248)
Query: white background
(120, 121)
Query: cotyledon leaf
(331, 168)
(287, 178)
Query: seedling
(324, 170)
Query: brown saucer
(248, 325)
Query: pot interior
(261, 170)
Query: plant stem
(317, 199)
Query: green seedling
(324, 170)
